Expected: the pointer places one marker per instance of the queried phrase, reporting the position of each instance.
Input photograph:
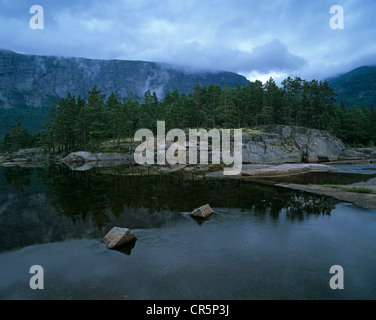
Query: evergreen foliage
(74, 124)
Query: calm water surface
(262, 242)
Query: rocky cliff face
(35, 81)
(285, 144)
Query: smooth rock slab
(283, 169)
(202, 212)
(118, 237)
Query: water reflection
(76, 194)
(262, 242)
(341, 176)
(65, 204)
(18, 177)
(127, 248)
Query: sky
(258, 39)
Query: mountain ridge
(36, 80)
(356, 87)
(29, 84)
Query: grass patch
(351, 189)
(251, 131)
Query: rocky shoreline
(359, 199)
(267, 171)
(264, 145)
(283, 151)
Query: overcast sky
(258, 39)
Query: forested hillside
(77, 124)
(356, 87)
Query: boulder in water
(202, 212)
(118, 237)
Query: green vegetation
(18, 138)
(350, 189)
(356, 87)
(29, 118)
(75, 124)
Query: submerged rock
(202, 212)
(118, 237)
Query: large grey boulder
(269, 148)
(114, 157)
(285, 144)
(33, 154)
(80, 156)
(321, 143)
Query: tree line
(76, 124)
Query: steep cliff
(35, 81)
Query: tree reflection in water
(75, 194)
(18, 177)
(55, 203)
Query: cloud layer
(284, 37)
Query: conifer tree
(116, 118)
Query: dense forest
(75, 124)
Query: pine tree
(226, 112)
(293, 90)
(256, 101)
(97, 127)
(149, 111)
(63, 127)
(116, 118)
(171, 110)
(131, 109)
(274, 100)
(83, 126)
(371, 124)
(214, 94)
(6, 144)
(356, 125)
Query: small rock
(312, 157)
(202, 212)
(117, 237)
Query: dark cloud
(273, 56)
(246, 36)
